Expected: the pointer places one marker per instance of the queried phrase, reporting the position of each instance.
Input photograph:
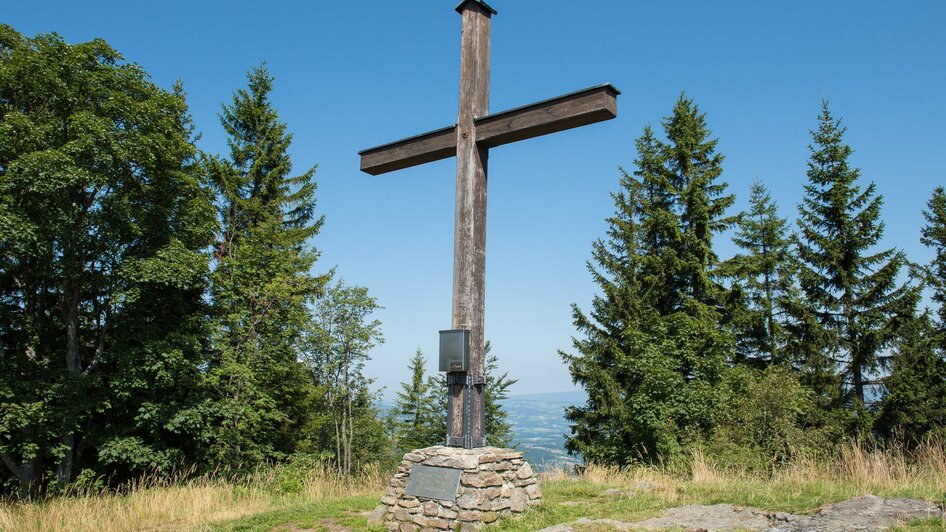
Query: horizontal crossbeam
(550, 116)
(541, 118)
(412, 151)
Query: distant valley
(539, 426)
(538, 422)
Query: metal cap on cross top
(481, 3)
(477, 131)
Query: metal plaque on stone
(439, 483)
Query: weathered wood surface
(425, 148)
(542, 118)
(469, 256)
(551, 116)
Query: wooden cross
(469, 140)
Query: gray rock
(377, 515)
(860, 513)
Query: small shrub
(763, 421)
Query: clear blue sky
(354, 74)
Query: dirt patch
(325, 525)
(860, 513)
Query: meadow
(316, 498)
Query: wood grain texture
(469, 256)
(542, 118)
(424, 148)
(558, 114)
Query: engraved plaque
(433, 482)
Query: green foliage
(853, 303)
(764, 276)
(763, 421)
(654, 346)
(934, 237)
(420, 412)
(914, 402)
(339, 339)
(498, 429)
(257, 389)
(103, 219)
(417, 418)
(692, 168)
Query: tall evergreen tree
(914, 401)
(416, 413)
(103, 222)
(261, 283)
(765, 276)
(693, 168)
(934, 237)
(653, 346)
(852, 293)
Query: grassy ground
(321, 501)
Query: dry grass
(798, 486)
(855, 470)
(184, 505)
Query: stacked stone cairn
(495, 483)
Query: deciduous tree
(103, 222)
(341, 337)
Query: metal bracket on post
(468, 382)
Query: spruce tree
(702, 343)
(498, 429)
(854, 302)
(934, 237)
(914, 401)
(416, 424)
(694, 167)
(612, 361)
(261, 283)
(765, 277)
(653, 346)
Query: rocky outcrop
(860, 513)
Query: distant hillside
(538, 426)
(538, 422)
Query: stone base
(494, 483)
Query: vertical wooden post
(469, 254)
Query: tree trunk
(73, 367)
(769, 317)
(857, 378)
(25, 474)
(338, 445)
(351, 435)
(64, 470)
